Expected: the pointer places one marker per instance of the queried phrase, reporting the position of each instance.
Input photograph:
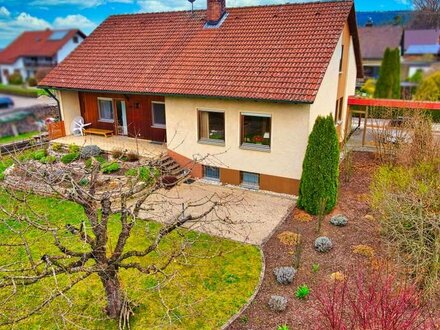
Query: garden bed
(214, 279)
(356, 246)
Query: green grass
(204, 295)
(21, 137)
(18, 90)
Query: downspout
(52, 95)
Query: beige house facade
(240, 118)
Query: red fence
(389, 103)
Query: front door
(121, 117)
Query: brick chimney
(215, 12)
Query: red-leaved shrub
(371, 302)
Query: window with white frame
(106, 112)
(256, 130)
(212, 126)
(158, 114)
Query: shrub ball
(278, 303)
(284, 275)
(323, 244)
(339, 220)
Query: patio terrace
(145, 148)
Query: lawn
(18, 90)
(21, 137)
(206, 291)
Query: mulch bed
(353, 203)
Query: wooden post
(365, 126)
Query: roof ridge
(303, 2)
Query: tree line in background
(426, 14)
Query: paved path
(26, 102)
(247, 216)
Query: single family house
(34, 50)
(422, 51)
(237, 89)
(374, 40)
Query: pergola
(366, 103)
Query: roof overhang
(176, 95)
(352, 23)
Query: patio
(145, 148)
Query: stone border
(252, 298)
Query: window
(211, 173)
(75, 39)
(58, 35)
(106, 113)
(211, 126)
(342, 58)
(250, 180)
(256, 130)
(158, 113)
(338, 110)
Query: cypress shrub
(320, 176)
(395, 74)
(388, 83)
(383, 84)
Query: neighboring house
(374, 41)
(34, 50)
(422, 50)
(237, 89)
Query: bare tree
(96, 256)
(426, 14)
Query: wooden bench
(97, 131)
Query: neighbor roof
(423, 49)
(375, 40)
(421, 37)
(37, 43)
(278, 52)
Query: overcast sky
(17, 16)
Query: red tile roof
(375, 40)
(278, 52)
(35, 43)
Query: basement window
(250, 180)
(211, 173)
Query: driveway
(21, 102)
(242, 215)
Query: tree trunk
(112, 287)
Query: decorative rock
(284, 275)
(339, 220)
(90, 151)
(278, 303)
(323, 244)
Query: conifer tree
(388, 84)
(320, 177)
